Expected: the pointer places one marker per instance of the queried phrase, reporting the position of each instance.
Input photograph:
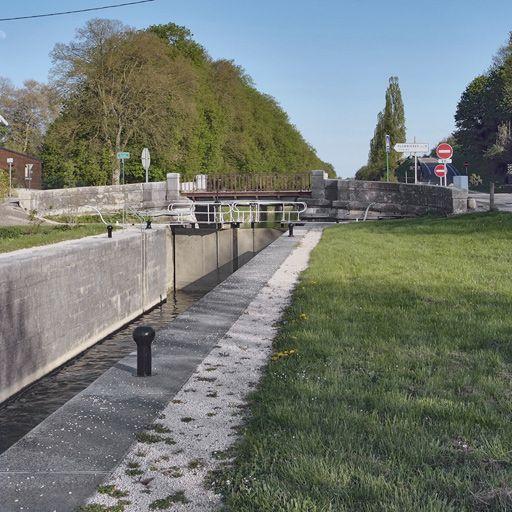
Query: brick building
(18, 168)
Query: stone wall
(58, 300)
(336, 197)
(108, 198)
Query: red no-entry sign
(444, 151)
(440, 170)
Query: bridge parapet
(336, 198)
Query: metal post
(124, 192)
(143, 336)
(290, 229)
(492, 207)
(173, 233)
(388, 150)
(234, 231)
(10, 179)
(415, 169)
(109, 231)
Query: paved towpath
(194, 433)
(60, 463)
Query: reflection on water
(28, 408)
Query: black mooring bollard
(148, 224)
(109, 231)
(143, 336)
(290, 229)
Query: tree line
(483, 119)
(115, 88)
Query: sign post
(146, 162)
(388, 150)
(415, 148)
(444, 152)
(10, 161)
(123, 155)
(28, 173)
(440, 172)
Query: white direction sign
(445, 160)
(146, 161)
(28, 171)
(388, 143)
(411, 147)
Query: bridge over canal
(326, 198)
(285, 187)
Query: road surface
(503, 202)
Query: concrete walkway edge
(171, 461)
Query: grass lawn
(111, 218)
(21, 237)
(399, 397)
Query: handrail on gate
(289, 210)
(234, 212)
(98, 212)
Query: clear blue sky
(327, 62)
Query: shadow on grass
(398, 396)
(495, 223)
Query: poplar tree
(390, 121)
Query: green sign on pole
(123, 155)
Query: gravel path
(166, 468)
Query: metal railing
(235, 212)
(258, 182)
(218, 212)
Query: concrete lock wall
(58, 300)
(201, 251)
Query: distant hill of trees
(115, 88)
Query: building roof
(2, 148)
